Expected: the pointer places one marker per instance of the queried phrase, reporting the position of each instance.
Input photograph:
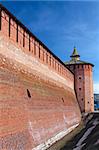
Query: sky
(61, 25)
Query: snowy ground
(88, 138)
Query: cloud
(96, 88)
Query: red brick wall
(28, 121)
(37, 98)
(29, 44)
(84, 86)
(79, 85)
(89, 99)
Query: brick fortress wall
(37, 100)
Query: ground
(87, 138)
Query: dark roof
(72, 62)
(75, 59)
(75, 53)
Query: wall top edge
(31, 34)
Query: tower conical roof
(75, 56)
(75, 59)
(75, 53)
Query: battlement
(13, 29)
(37, 96)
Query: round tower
(83, 81)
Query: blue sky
(61, 25)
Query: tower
(83, 81)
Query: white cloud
(96, 87)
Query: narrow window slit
(34, 48)
(39, 51)
(17, 33)
(9, 25)
(0, 18)
(24, 39)
(28, 93)
(63, 100)
(29, 44)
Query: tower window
(82, 99)
(79, 77)
(80, 89)
(88, 102)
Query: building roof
(75, 59)
(75, 53)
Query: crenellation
(17, 33)
(37, 96)
(4, 23)
(13, 30)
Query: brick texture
(37, 97)
(84, 86)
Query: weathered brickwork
(89, 98)
(21, 36)
(33, 110)
(38, 105)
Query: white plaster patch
(52, 140)
(86, 134)
(35, 135)
(30, 129)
